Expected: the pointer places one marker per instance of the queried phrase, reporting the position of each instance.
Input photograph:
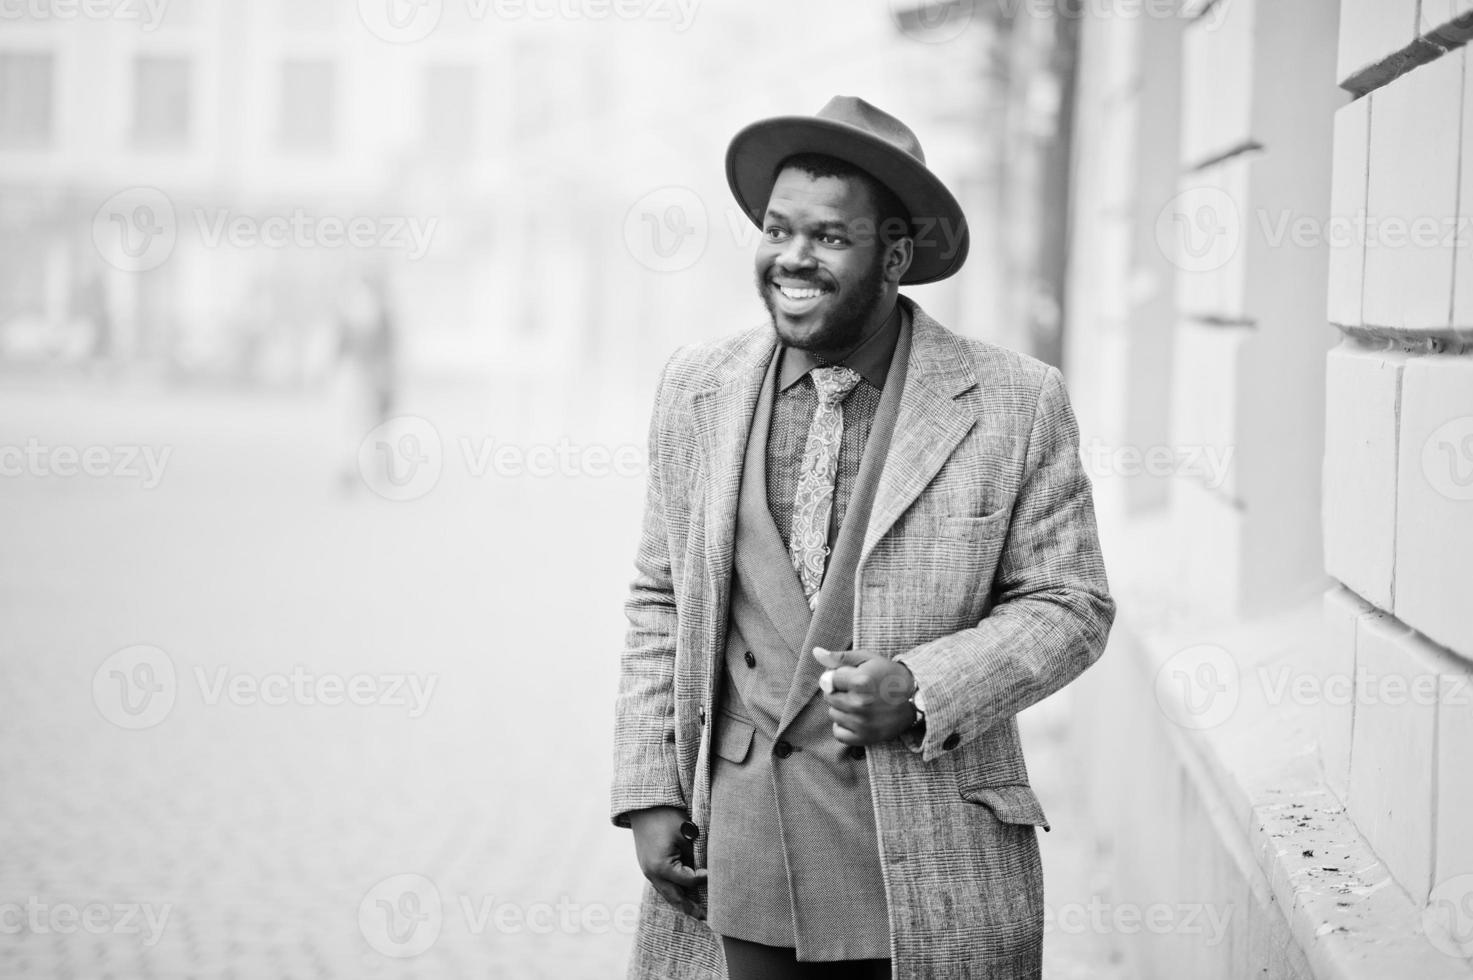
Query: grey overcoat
(980, 570)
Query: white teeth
(792, 293)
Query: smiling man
(868, 544)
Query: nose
(797, 256)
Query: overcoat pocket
(733, 737)
(1014, 803)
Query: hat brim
(942, 238)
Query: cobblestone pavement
(254, 727)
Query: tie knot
(834, 384)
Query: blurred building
(177, 182)
(1291, 573)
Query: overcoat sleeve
(645, 770)
(1052, 609)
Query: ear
(898, 256)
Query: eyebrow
(829, 224)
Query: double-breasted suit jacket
(980, 569)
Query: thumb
(841, 658)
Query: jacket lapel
(928, 426)
(763, 563)
(833, 621)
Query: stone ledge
(1286, 830)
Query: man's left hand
(868, 695)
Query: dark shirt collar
(871, 358)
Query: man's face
(820, 267)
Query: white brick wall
(1434, 526)
(1372, 29)
(1217, 82)
(1392, 757)
(1361, 394)
(1414, 180)
(1343, 611)
(1347, 206)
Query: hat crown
(853, 111)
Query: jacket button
(856, 752)
(782, 749)
(952, 741)
(689, 830)
(751, 660)
(701, 714)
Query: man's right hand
(665, 857)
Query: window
(25, 98)
(308, 90)
(160, 101)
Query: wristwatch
(917, 704)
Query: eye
(774, 233)
(836, 240)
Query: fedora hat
(874, 141)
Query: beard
(843, 326)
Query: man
(868, 543)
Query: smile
(793, 292)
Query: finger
(846, 736)
(826, 682)
(849, 702)
(674, 896)
(853, 679)
(842, 658)
(683, 875)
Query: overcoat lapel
(722, 419)
(929, 425)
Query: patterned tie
(808, 540)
